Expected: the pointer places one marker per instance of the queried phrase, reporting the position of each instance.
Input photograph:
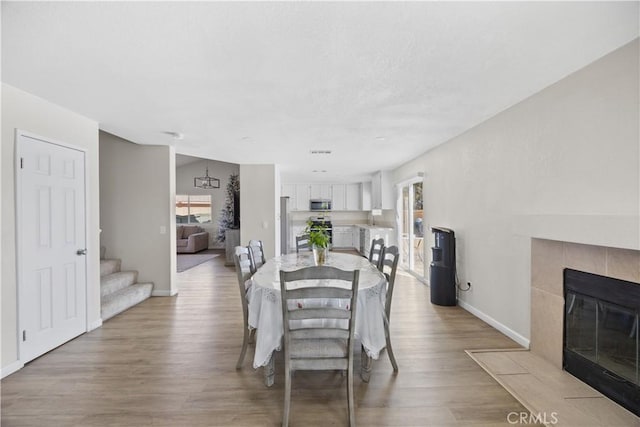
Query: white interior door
(51, 239)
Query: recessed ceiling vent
(320, 151)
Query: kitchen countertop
(374, 227)
(345, 224)
(366, 226)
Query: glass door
(411, 227)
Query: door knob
(81, 252)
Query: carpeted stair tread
(116, 281)
(118, 289)
(125, 298)
(109, 266)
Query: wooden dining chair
(375, 253)
(388, 266)
(302, 242)
(244, 271)
(327, 342)
(256, 250)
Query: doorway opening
(411, 226)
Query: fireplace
(601, 338)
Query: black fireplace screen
(601, 344)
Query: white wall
(561, 165)
(220, 170)
(259, 190)
(21, 110)
(137, 203)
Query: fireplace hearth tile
(500, 363)
(605, 411)
(567, 385)
(549, 391)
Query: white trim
(523, 341)
(415, 275)
(415, 179)
(94, 325)
(163, 293)
(419, 177)
(11, 368)
(48, 141)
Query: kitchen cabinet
(343, 236)
(320, 191)
(347, 197)
(298, 196)
(353, 197)
(382, 191)
(289, 190)
(302, 198)
(366, 196)
(338, 197)
(368, 233)
(344, 197)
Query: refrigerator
(285, 225)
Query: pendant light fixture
(206, 182)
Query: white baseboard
(95, 325)
(493, 322)
(163, 293)
(11, 368)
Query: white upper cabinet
(344, 197)
(376, 191)
(320, 191)
(353, 197)
(381, 191)
(302, 197)
(289, 190)
(338, 197)
(347, 197)
(366, 196)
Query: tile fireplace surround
(548, 259)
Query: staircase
(119, 290)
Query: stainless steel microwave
(319, 205)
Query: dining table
(265, 307)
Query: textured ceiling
(377, 83)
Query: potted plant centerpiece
(319, 241)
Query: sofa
(191, 239)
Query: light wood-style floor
(170, 361)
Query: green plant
(318, 234)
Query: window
(193, 209)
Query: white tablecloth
(265, 306)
